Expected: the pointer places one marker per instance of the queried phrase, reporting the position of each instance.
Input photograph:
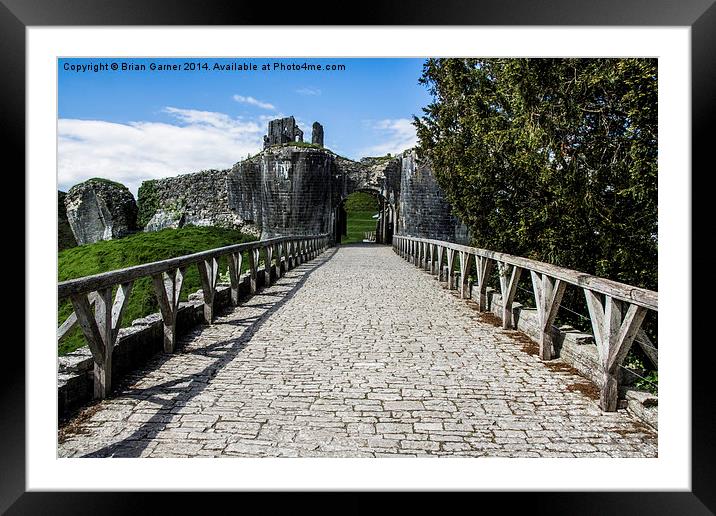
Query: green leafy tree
(553, 159)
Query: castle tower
(282, 130)
(317, 135)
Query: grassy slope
(134, 250)
(360, 208)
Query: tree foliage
(552, 159)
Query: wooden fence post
(101, 330)
(450, 265)
(267, 265)
(253, 269)
(509, 276)
(440, 263)
(484, 268)
(279, 264)
(235, 260)
(167, 288)
(465, 262)
(548, 295)
(208, 273)
(614, 336)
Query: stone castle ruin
(285, 130)
(317, 134)
(287, 189)
(282, 130)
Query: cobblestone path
(355, 354)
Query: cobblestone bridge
(354, 354)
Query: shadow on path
(188, 387)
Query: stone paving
(355, 354)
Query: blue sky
(130, 126)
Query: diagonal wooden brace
(101, 330)
(267, 266)
(235, 260)
(208, 273)
(484, 268)
(441, 253)
(614, 336)
(450, 274)
(71, 321)
(465, 264)
(548, 293)
(281, 260)
(253, 269)
(509, 277)
(167, 288)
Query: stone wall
(201, 199)
(423, 210)
(284, 190)
(294, 189)
(65, 237)
(98, 209)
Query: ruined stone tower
(282, 130)
(317, 134)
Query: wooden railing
(616, 310)
(102, 327)
(369, 236)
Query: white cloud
(134, 152)
(309, 91)
(395, 136)
(254, 102)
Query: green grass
(360, 208)
(106, 181)
(361, 201)
(387, 157)
(137, 249)
(304, 145)
(358, 223)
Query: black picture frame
(699, 15)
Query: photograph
(277, 249)
(358, 257)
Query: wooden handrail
(100, 316)
(95, 282)
(616, 320)
(621, 291)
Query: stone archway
(384, 226)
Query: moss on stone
(147, 202)
(106, 182)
